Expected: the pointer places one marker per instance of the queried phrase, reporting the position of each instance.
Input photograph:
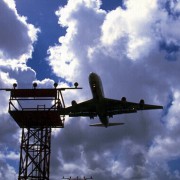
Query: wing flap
(85, 109)
(83, 114)
(148, 107)
(110, 124)
(114, 107)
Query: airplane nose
(92, 75)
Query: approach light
(14, 85)
(55, 85)
(35, 85)
(76, 84)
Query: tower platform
(36, 108)
(36, 119)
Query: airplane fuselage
(98, 96)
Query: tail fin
(110, 124)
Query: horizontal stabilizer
(115, 124)
(110, 124)
(98, 125)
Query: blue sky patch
(42, 16)
(174, 164)
(171, 49)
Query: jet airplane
(104, 107)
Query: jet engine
(141, 103)
(123, 99)
(73, 102)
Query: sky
(134, 46)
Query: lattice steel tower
(36, 111)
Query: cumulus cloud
(131, 48)
(18, 40)
(82, 34)
(16, 46)
(125, 47)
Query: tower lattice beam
(35, 153)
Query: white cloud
(7, 172)
(16, 41)
(83, 20)
(133, 24)
(16, 46)
(9, 155)
(177, 7)
(114, 27)
(104, 42)
(164, 148)
(107, 44)
(172, 118)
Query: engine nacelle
(141, 103)
(73, 102)
(123, 99)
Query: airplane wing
(110, 124)
(111, 107)
(121, 107)
(86, 109)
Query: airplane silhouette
(103, 107)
